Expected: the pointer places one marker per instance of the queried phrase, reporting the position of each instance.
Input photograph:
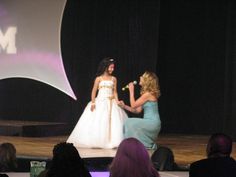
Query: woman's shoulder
(150, 97)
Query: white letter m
(8, 41)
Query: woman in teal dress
(145, 129)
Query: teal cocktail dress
(145, 129)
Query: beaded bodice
(105, 89)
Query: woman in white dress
(101, 124)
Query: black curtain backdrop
(192, 65)
(196, 66)
(190, 44)
(94, 29)
(230, 68)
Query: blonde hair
(150, 84)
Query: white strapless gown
(103, 127)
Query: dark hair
(132, 159)
(104, 64)
(219, 144)
(66, 161)
(163, 159)
(7, 157)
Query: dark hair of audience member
(219, 145)
(132, 160)
(8, 160)
(66, 162)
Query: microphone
(127, 86)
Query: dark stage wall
(196, 66)
(189, 44)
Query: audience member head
(132, 159)
(7, 157)
(67, 162)
(219, 145)
(150, 83)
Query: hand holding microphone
(127, 86)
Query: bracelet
(92, 103)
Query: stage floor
(186, 148)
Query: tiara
(111, 59)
